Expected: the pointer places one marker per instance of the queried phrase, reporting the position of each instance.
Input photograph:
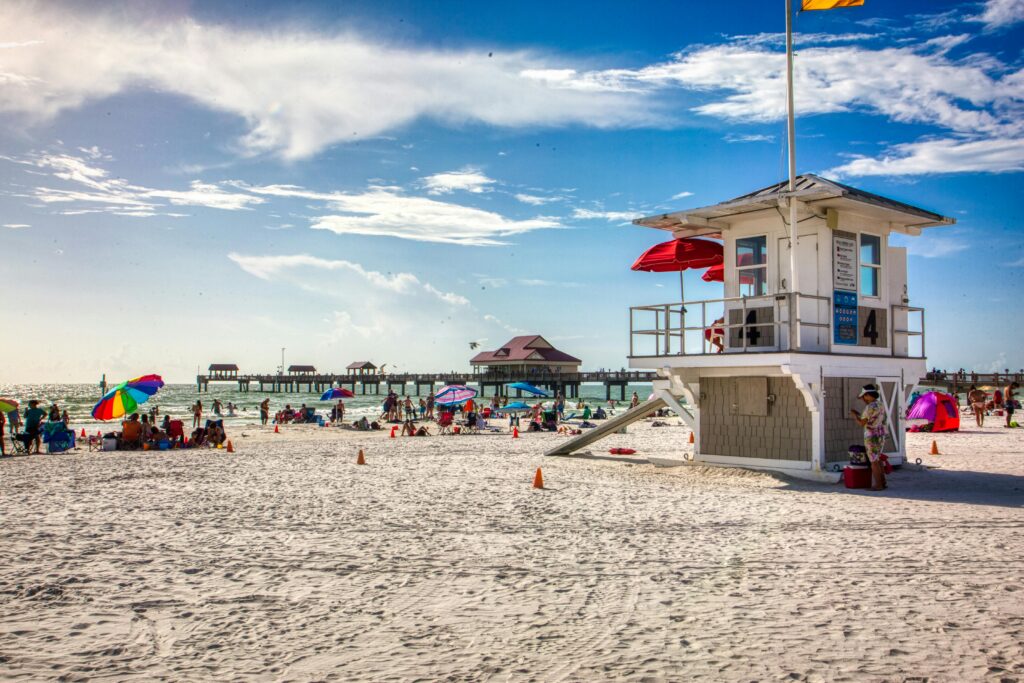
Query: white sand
(286, 561)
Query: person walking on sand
(264, 411)
(197, 414)
(873, 422)
(1010, 401)
(976, 398)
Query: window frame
(762, 266)
(876, 266)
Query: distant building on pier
(223, 371)
(525, 356)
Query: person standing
(1010, 401)
(33, 418)
(635, 401)
(339, 411)
(430, 405)
(976, 398)
(264, 411)
(3, 423)
(873, 422)
(197, 414)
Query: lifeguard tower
(769, 374)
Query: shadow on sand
(913, 482)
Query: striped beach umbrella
(453, 394)
(126, 397)
(336, 392)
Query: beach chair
(57, 437)
(19, 443)
(176, 432)
(444, 423)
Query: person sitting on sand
(423, 431)
(131, 433)
(362, 424)
(408, 428)
(873, 422)
(215, 434)
(198, 438)
(977, 399)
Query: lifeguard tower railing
(786, 322)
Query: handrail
(791, 326)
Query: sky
(183, 183)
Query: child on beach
(873, 422)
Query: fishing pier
(373, 381)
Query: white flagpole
(794, 281)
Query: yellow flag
(830, 4)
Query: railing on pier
(761, 324)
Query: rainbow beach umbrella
(7, 405)
(126, 397)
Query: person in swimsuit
(1010, 401)
(264, 411)
(977, 398)
(197, 413)
(873, 422)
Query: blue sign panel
(844, 312)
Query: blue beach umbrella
(515, 407)
(529, 388)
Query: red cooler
(857, 476)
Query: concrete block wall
(785, 434)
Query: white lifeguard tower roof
(813, 191)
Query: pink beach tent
(938, 409)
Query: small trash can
(857, 476)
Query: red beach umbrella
(714, 274)
(680, 255)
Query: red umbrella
(714, 274)
(679, 255)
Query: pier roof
(525, 349)
(361, 365)
(223, 367)
(301, 368)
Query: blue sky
(186, 183)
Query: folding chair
(444, 424)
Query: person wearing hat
(873, 422)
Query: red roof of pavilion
(526, 348)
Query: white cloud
(118, 195)
(588, 214)
(930, 245)
(536, 282)
(732, 137)
(466, 180)
(682, 195)
(495, 320)
(994, 155)
(272, 267)
(296, 90)
(387, 212)
(1000, 13)
(16, 226)
(535, 200)
(1019, 263)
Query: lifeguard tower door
(811, 310)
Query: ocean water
(177, 399)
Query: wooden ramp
(609, 426)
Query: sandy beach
(437, 560)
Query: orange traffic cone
(393, 430)
(538, 480)
(691, 437)
(935, 448)
(83, 432)
(515, 432)
(360, 460)
(231, 449)
(277, 429)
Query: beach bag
(109, 443)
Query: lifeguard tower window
(752, 265)
(870, 264)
